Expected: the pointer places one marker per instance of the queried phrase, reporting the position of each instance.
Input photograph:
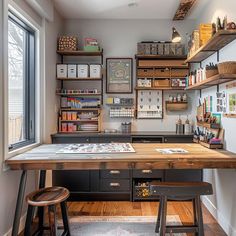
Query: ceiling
(119, 9)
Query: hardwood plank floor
(183, 209)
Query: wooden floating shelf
(217, 42)
(80, 53)
(79, 94)
(211, 146)
(161, 77)
(156, 67)
(79, 109)
(160, 57)
(79, 120)
(214, 80)
(229, 115)
(176, 106)
(95, 131)
(79, 79)
(159, 88)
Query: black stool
(180, 192)
(47, 197)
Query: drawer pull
(114, 184)
(114, 172)
(146, 171)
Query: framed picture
(119, 76)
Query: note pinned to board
(171, 150)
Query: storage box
(160, 48)
(161, 73)
(153, 49)
(61, 71)
(95, 71)
(71, 70)
(67, 43)
(179, 72)
(91, 48)
(141, 48)
(161, 83)
(145, 72)
(82, 71)
(205, 33)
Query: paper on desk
(171, 150)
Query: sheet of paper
(171, 150)
(87, 148)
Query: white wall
(9, 180)
(119, 38)
(222, 203)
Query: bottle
(187, 127)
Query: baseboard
(227, 227)
(21, 226)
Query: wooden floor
(183, 209)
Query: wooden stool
(48, 197)
(180, 192)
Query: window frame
(29, 100)
(10, 5)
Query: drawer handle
(114, 184)
(146, 171)
(114, 172)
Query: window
(21, 83)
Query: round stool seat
(48, 196)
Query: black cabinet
(183, 175)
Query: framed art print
(119, 76)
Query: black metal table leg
(42, 181)
(19, 203)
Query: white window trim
(40, 75)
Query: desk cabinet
(116, 184)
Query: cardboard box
(61, 71)
(71, 71)
(82, 71)
(95, 71)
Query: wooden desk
(45, 158)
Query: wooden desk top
(45, 157)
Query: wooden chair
(180, 192)
(47, 197)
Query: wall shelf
(214, 80)
(78, 94)
(208, 125)
(80, 53)
(139, 56)
(80, 109)
(79, 79)
(217, 42)
(176, 106)
(158, 88)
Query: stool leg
(159, 215)
(29, 219)
(52, 220)
(65, 218)
(163, 216)
(200, 218)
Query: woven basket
(228, 67)
(212, 72)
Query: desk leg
(19, 203)
(42, 182)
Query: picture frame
(119, 75)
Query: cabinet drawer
(114, 174)
(114, 185)
(148, 173)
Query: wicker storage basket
(211, 72)
(228, 67)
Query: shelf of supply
(176, 106)
(159, 88)
(139, 56)
(79, 79)
(229, 115)
(80, 53)
(209, 125)
(214, 80)
(78, 94)
(60, 132)
(79, 120)
(163, 67)
(217, 42)
(80, 109)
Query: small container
(64, 127)
(71, 71)
(95, 71)
(126, 127)
(179, 127)
(61, 71)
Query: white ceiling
(119, 9)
